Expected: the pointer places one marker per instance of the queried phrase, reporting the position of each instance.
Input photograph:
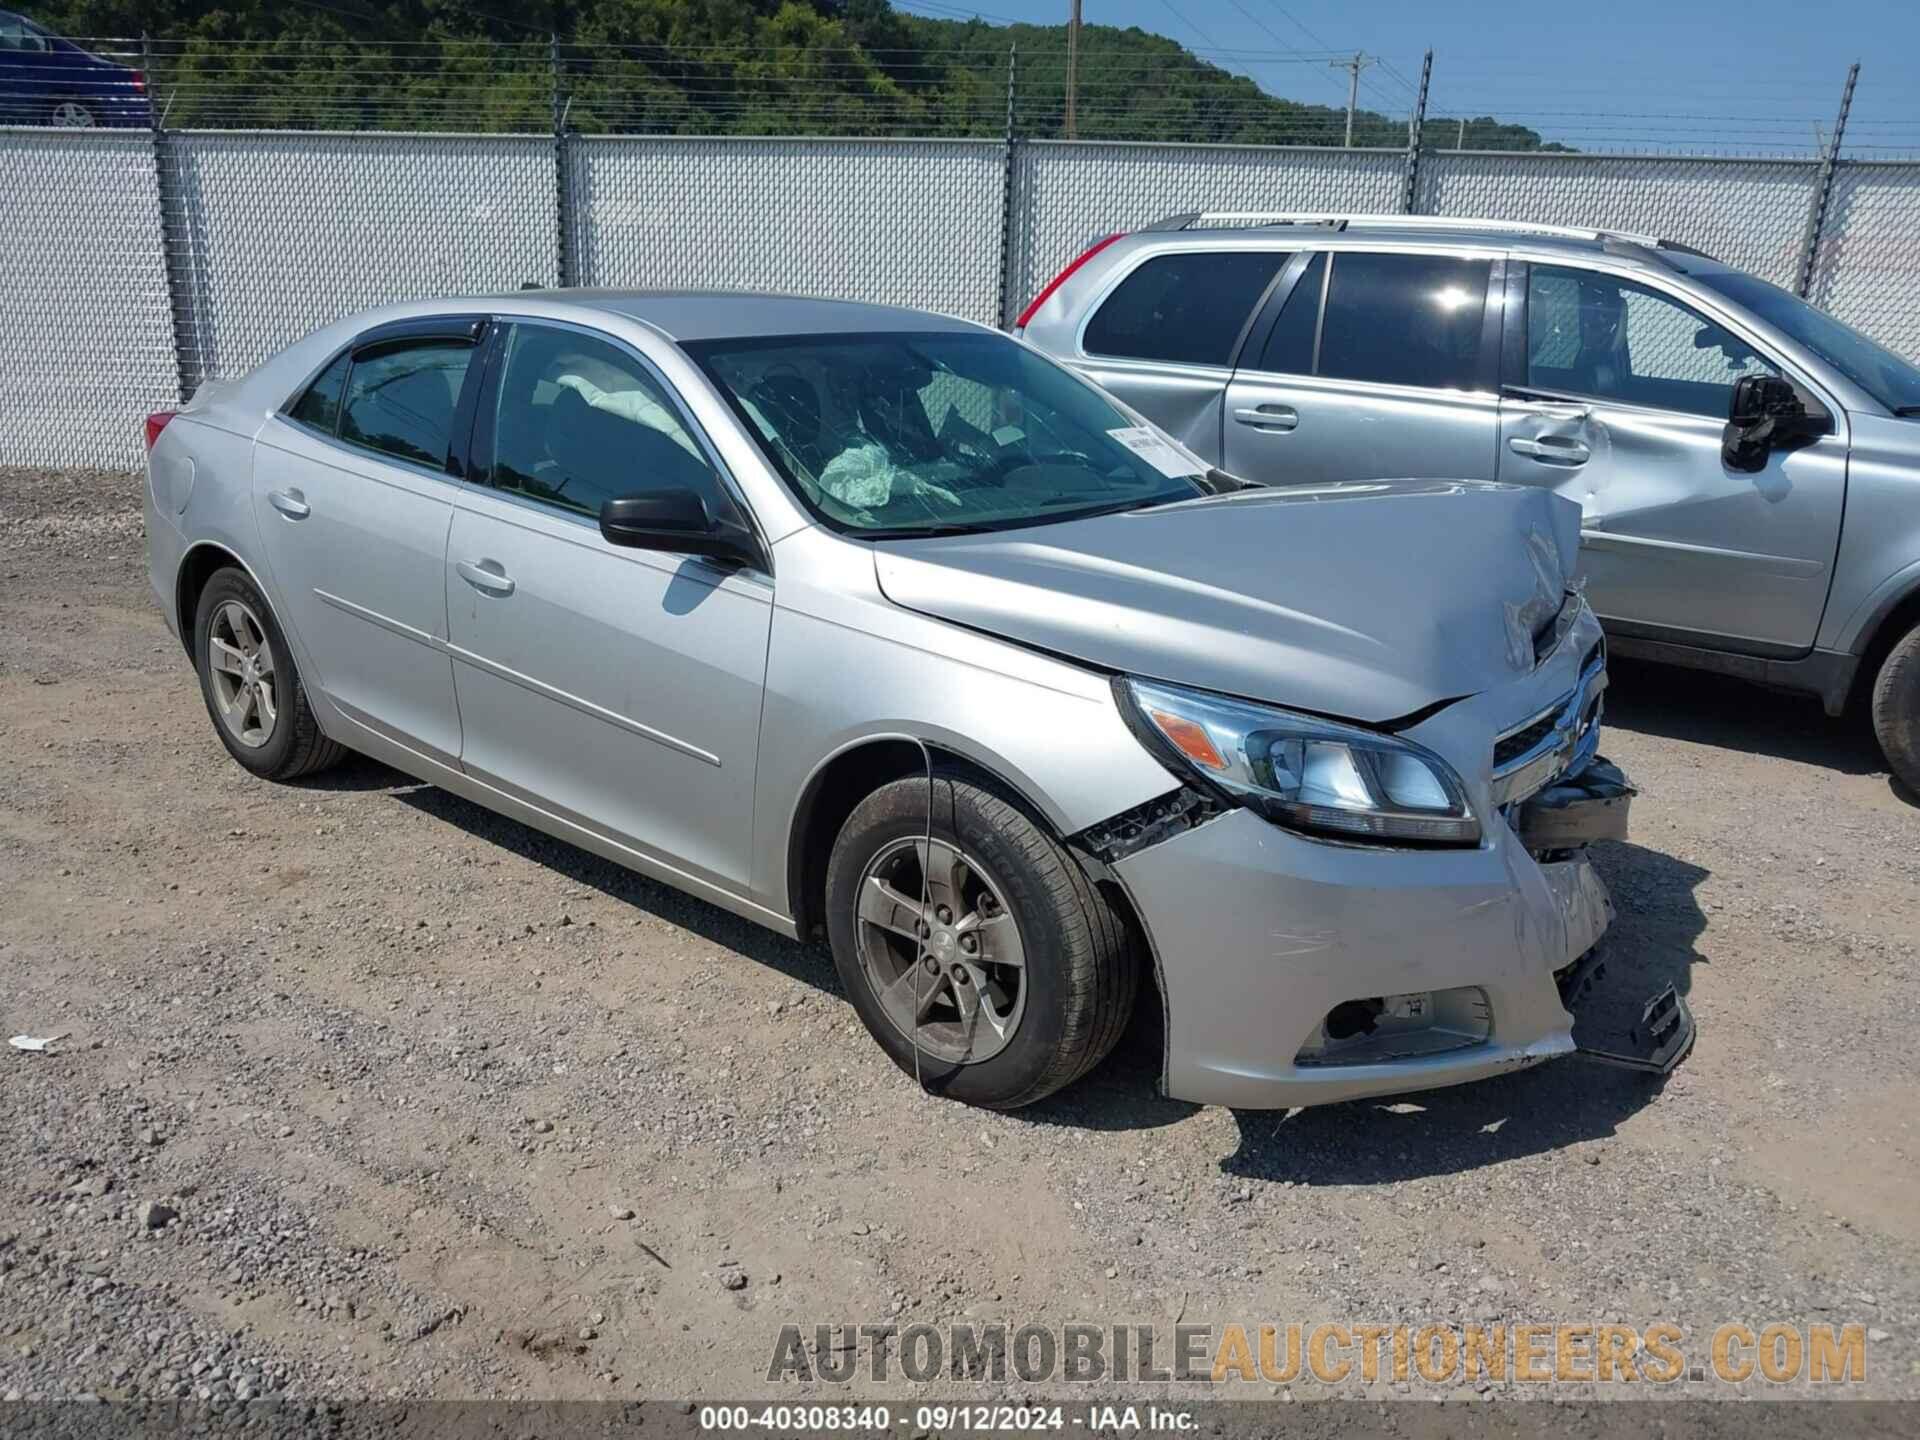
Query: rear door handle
(485, 575)
(290, 503)
(1269, 417)
(1551, 449)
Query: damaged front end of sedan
(1402, 919)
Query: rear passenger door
(353, 495)
(1370, 365)
(1164, 338)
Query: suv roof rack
(1207, 219)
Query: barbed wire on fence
(1209, 94)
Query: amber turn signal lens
(1189, 739)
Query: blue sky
(1743, 75)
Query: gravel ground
(368, 1093)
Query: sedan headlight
(1308, 774)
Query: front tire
(253, 690)
(1896, 709)
(1019, 970)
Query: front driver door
(1616, 397)
(617, 689)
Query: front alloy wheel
(941, 950)
(977, 951)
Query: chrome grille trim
(1570, 741)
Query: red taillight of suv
(139, 82)
(157, 422)
(1061, 279)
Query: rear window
(1189, 309)
(1400, 319)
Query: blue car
(46, 80)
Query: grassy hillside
(697, 67)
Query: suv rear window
(1186, 308)
(1401, 319)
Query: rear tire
(1896, 709)
(253, 691)
(1077, 975)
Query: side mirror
(1766, 414)
(675, 520)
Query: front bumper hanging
(1577, 809)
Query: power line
(1168, 7)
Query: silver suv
(1747, 467)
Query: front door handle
(290, 503)
(485, 575)
(1269, 417)
(1551, 449)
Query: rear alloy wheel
(980, 956)
(252, 690)
(72, 115)
(1896, 709)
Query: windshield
(906, 434)
(1892, 381)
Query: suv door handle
(485, 575)
(1551, 449)
(290, 503)
(1269, 417)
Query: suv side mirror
(676, 520)
(1767, 414)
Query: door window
(1189, 308)
(16, 34)
(1593, 334)
(580, 422)
(319, 405)
(400, 398)
(1289, 349)
(1405, 320)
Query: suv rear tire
(1896, 709)
(1000, 887)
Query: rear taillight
(157, 422)
(139, 82)
(1061, 279)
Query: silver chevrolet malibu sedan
(882, 627)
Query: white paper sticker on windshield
(1164, 457)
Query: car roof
(733, 314)
(1430, 233)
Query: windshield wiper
(1906, 412)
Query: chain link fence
(902, 222)
(139, 263)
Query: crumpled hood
(1367, 600)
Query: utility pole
(1073, 60)
(1353, 67)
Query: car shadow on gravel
(805, 964)
(1730, 714)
